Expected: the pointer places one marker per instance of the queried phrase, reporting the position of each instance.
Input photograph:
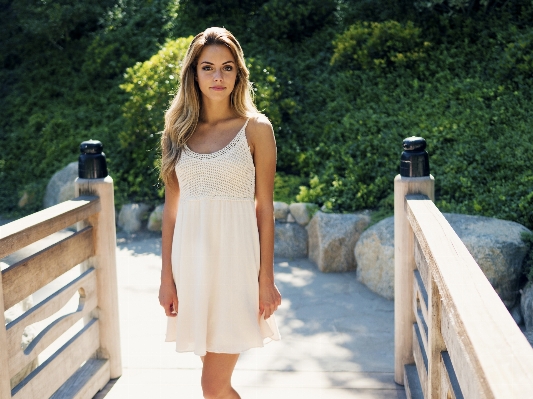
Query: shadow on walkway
(337, 337)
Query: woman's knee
(215, 390)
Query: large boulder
(60, 188)
(27, 337)
(155, 221)
(332, 239)
(132, 216)
(290, 240)
(374, 254)
(302, 212)
(281, 211)
(526, 304)
(495, 244)
(498, 249)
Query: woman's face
(216, 72)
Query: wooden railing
(84, 364)
(454, 338)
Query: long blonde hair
(181, 119)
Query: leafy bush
(286, 187)
(338, 127)
(374, 45)
(150, 86)
(62, 62)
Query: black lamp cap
(91, 147)
(414, 144)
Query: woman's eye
(206, 68)
(228, 68)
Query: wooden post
(5, 381)
(94, 180)
(104, 261)
(404, 262)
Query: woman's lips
(218, 88)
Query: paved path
(337, 337)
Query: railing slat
(27, 276)
(49, 376)
(421, 288)
(422, 327)
(464, 363)
(86, 382)
(20, 358)
(450, 378)
(479, 332)
(411, 381)
(27, 230)
(421, 359)
(421, 264)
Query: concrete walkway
(337, 337)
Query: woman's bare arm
(264, 144)
(167, 291)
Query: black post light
(414, 159)
(92, 163)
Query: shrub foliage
(342, 81)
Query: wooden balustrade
(84, 364)
(462, 342)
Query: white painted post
(404, 262)
(5, 381)
(104, 260)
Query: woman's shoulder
(260, 133)
(259, 125)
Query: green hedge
(342, 81)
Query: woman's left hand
(269, 297)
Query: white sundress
(216, 254)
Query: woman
(218, 166)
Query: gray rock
(281, 210)
(290, 218)
(61, 186)
(526, 305)
(332, 239)
(529, 337)
(155, 220)
(498, 249)
(516, 313)
(302, 212)
(131, 217)
(495, 244)
(374, 254)
(27, 337)
(290, 240)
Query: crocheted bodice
(228, 173)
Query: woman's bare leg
(216, 375)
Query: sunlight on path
(337, 337)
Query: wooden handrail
(29, 229)
(490, 355)
(30, 274)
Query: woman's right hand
(168, 298)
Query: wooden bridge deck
(337, 337)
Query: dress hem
(267, 341)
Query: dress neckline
(223, 149)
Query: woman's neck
(211, 112)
